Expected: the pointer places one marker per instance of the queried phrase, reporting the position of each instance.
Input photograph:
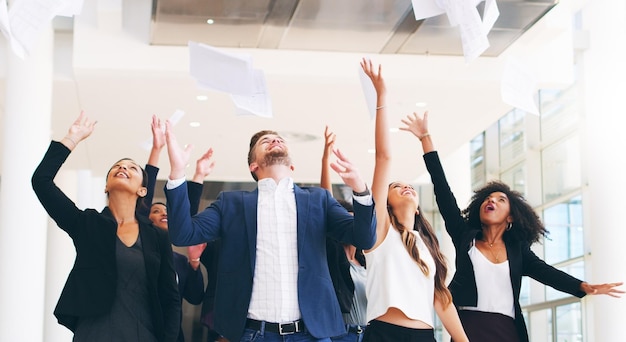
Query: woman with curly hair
(406, 275)
(492, 239)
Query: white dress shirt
(275, 284)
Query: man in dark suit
(272, 276)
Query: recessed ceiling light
(371, 150)
(210, 21)
(420, 104)
(194, 124)
(202, 97)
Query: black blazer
(90, 286)
(522, 261)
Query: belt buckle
(287, 328)
(359, 330)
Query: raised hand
(419, 127)
(158, 135)
(348, 172)
(375, 75)
(80, 129)
(204, 166)
(178, 156)
(329, 143)
(416, 125)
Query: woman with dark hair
(406, 269)
(188, 273)
(492, 238)
(122, 286)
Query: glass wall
(549, 176)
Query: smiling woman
(123, 285)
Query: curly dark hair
(527, 225)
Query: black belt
(357, 329)
(278, 328)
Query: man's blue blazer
(233, 219)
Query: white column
(23, 222)
(59, 260)
(604, 73)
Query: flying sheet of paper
(473, 37)
(27, 18)
(258, 104)
(518, 87)
(423, 9)
(463, 14)
(174, 119)
(369, 91)
(490, 15)
(218, 70)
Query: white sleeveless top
(395, 280)
(495, 292)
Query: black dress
(129, 318)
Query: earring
(509, 226)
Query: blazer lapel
(250, 203)
(302, 209)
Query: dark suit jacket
(232, 218)
(522, 261)
(90, 287)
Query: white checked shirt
(275, 284)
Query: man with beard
(272, 276)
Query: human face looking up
(126, 175)
(158, 215)
(402, 194)
(271, 149)
(495, 209)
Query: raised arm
(57, 204)
(204, 167)
(329, 143)
(152, 167)
(178, 156)
(381, 180)
(448, 207)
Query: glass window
(564, 223)
(561, 168)
(568, 323)
(559, 113)
(477, 161)
(511, 131)
(576, 269)
(516, 177)
(540, 327)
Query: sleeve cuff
(174, 183)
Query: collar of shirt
(269, 185)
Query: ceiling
(364, 26)
(123, 61)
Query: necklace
(496, 256)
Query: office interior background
(122, 61)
